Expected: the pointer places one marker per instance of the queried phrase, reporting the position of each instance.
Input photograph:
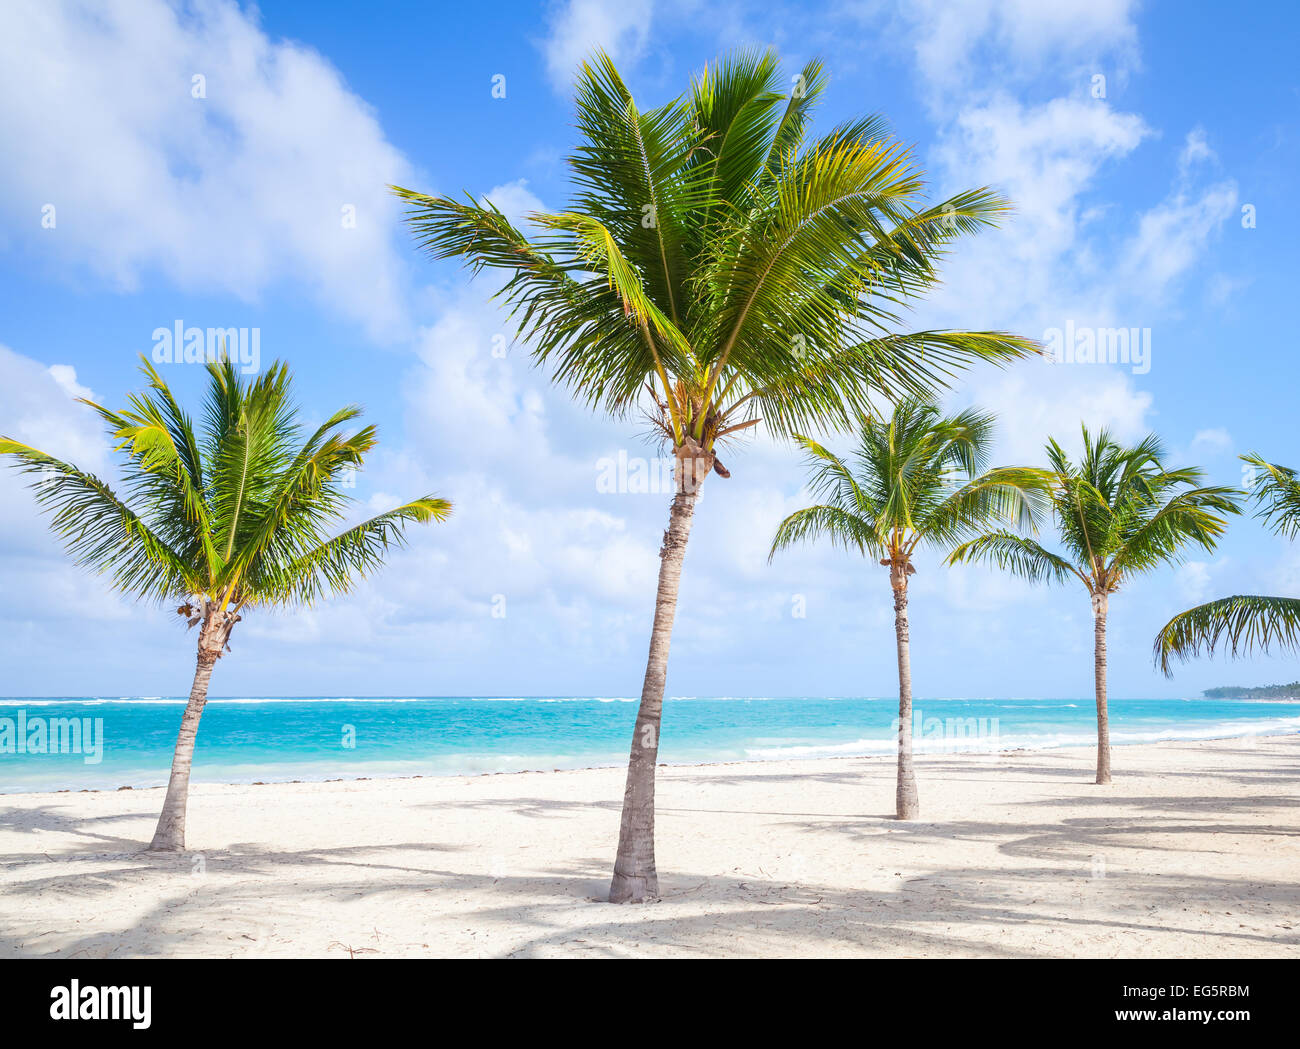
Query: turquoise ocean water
(269, 739)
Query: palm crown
(1119, 513)
(1246, 622)
(916, 478)
(230, 514)
(715, 257)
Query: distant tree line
(1291, 691)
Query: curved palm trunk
(635, 877)
(170, 833)
(906, 799)
(169, 836)
(1100, 608)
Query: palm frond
(1193, 515)
(1017, 495)
(1018, 555)
(1121, 511)
(100, 531)
(842, 528)
(338, 564)
(1277, 491)
(1243, 624)
(168, 476)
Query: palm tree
(225, 518)
(917, 479)
(718, 269)
(1245, 622)
(1120, 513)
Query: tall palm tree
(717, 269)
(224, 518)
(1120, 512)
(1246, 622)
(917, 479)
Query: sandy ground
(1194, 850)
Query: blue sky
(225, 211)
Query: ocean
(104, 743)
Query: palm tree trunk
(635, 877)
(907, 800)
(214, 635)
(1100, 608)
(170, 833)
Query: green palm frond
(1277, 491)
(1242, 624)
(830, 522)
(797, 115)
(169, 474)
(338, 564)
(1018, 555)
(307, 496)
(1016, 494)
(99, 530)
(1194, 515)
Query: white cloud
(515, 200)
(1040, 270)
(1172, 237)
(580, 26)
(1217, 439)
(1198, 581)
(1037, 401)
(1284, 578)
(1196, 148)
(66, 376)
(231, 192)
(38, 407)
(956, 45)
(1043, 157)
(1222, 288)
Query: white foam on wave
(551, 699)
(93, 702)
(1038, 741)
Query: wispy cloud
(577, 27)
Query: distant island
(1291, 691)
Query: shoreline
(973, 754)
(1192, 851)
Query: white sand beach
(1194, 851)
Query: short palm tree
(1120, 513)
(717, 268)
(224, 518)
(1246, 622)
(917, 479)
